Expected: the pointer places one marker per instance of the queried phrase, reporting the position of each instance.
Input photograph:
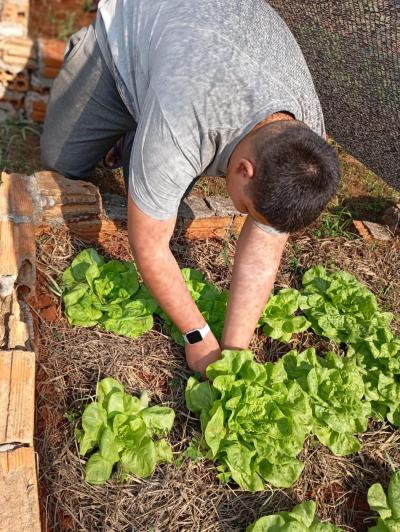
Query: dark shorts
(86, 115)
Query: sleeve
(269, 229)
(160, 167)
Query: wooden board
(17, 234)
(17, 397)
(19, 326)
(15, 196)
(19, 501)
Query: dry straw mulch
(189, 498)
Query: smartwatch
(196, 335)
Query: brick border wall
(27, 66)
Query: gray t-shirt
(197, 76)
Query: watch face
(193, 337)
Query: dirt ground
(189, 498)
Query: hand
(200, 355)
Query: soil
(189, 497)
(59, 19)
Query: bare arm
(257, 259)
(149, 240)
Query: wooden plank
(17, 234)
(17, 397)
(5, 311)
(15, 196)
(19, 326)
(19, 499)
(8, 262)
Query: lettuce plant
(107, 294)
(124, 432)
(301, 519)
(387, 506)
(381, 365)
(278, 319)
(336, 390)
(254, 421)
(255, 417)
(340, 307)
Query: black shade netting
(352, 48)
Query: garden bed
(189, 497)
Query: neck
(275, 117)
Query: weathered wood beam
(19, 498)
(17, 397)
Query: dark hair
(296, 174)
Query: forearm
(163, 277)
(149, 240)
(257, 259)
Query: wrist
(196, 335)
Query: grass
(335, 223)
(19, 147)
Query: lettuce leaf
(124, 431)
(278, 320)
(336, 390)
(387, 506)
(301, 519)
(254, 422)
(106, 294)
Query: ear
(245, 168)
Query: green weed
(335, 224)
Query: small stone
(193, 208)
(378, 231)
(222, 206)
(391, 218)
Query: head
(283, 174)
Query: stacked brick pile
(27, 67)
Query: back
(208, 72)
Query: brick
(19, 333)
(17, 397)
(63, 199)
(115, 207)
(362, 230)
(193, 208)
(17, 234)
(7, 111)
(17, 54)
(51, 57)
(19, 497)
(14, 17)
(213, 227)
(40, 84)
(35, 106)
(14, 82)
